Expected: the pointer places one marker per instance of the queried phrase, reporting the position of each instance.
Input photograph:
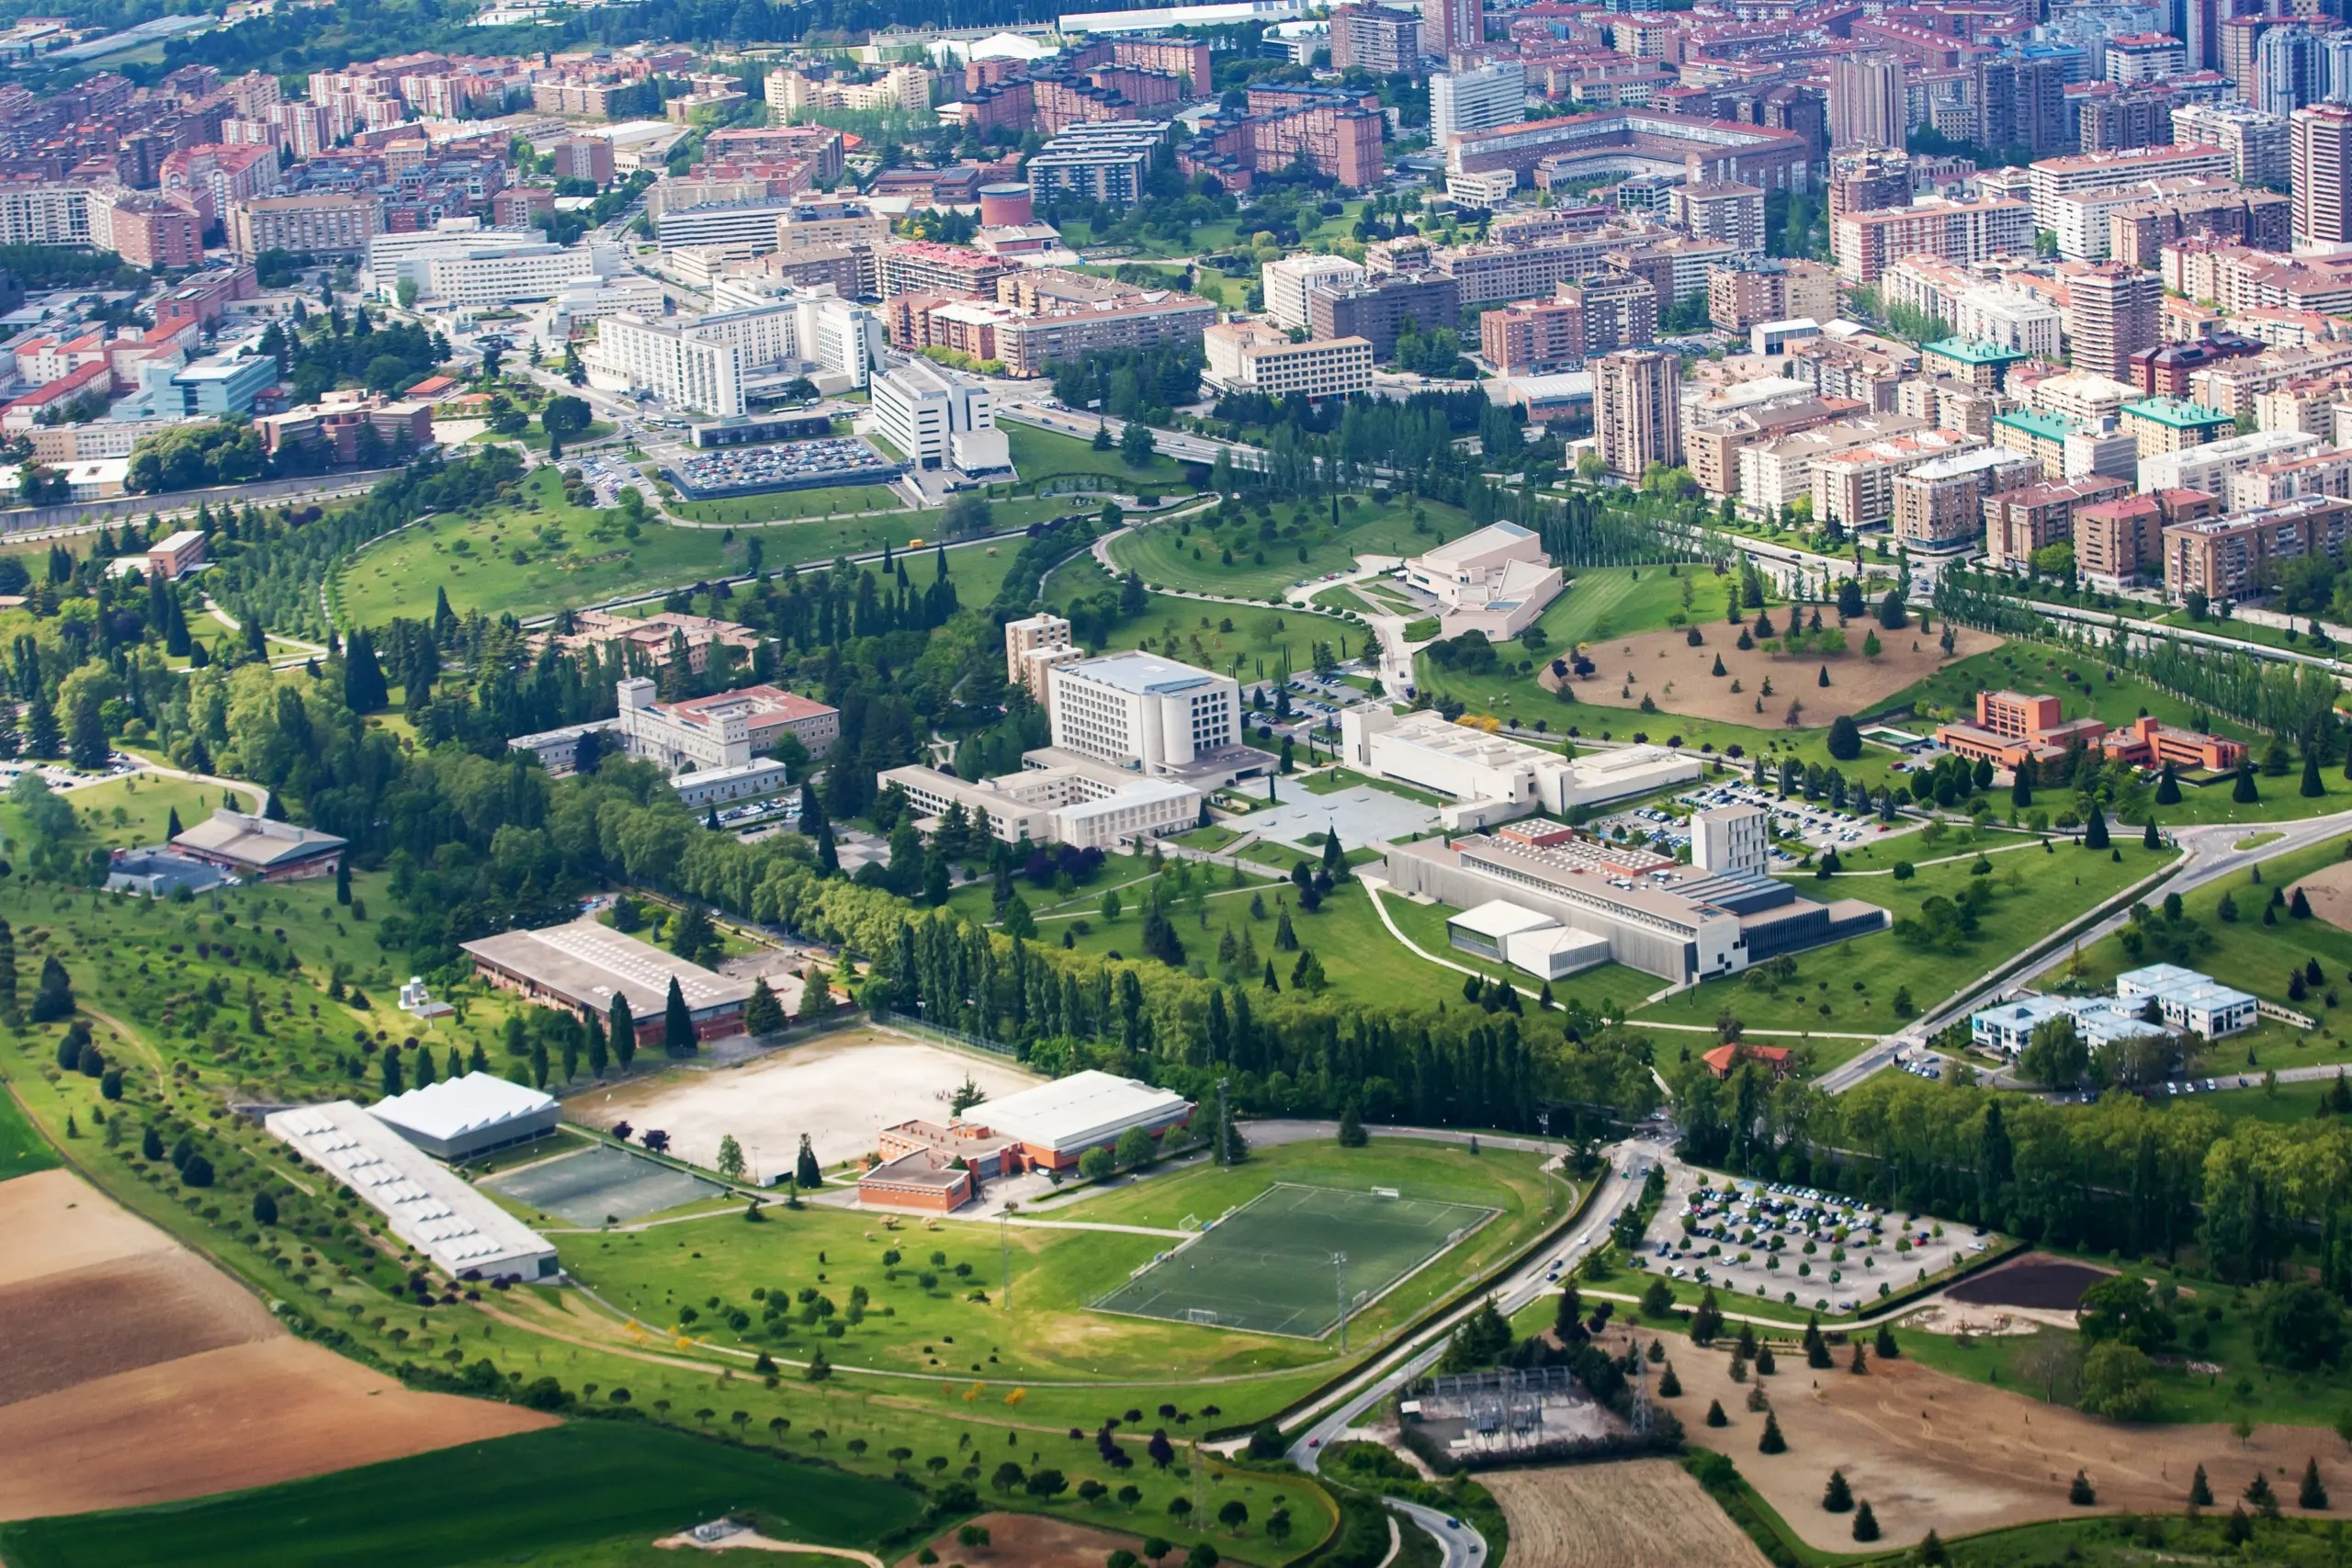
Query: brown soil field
(53, 1221)
(1030, 1541)
(65, 1329)
(132, 1372)
(2330, 892)
(1647, 665)
(247, 1416)
(2047, 1284)
(1647, 1513)
(1927, 1450)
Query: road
(1387, 1375)
(2211, 854)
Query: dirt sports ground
(1927, 1449)
(1648, 664)
(1029, 1540)
(132, 1372)
(1645, 1513)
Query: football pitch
(1268, 1266)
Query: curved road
(2211, 854)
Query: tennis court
(1268, 1266)
(602, 1185)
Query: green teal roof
(2046, 426)
(1974, 352)
(2179, 412)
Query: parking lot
(1797, 1246)
(798, 465)
(1820, 825)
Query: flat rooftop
(1085, 1108)
(455, 1107)
(1139, 674)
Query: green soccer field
(1269, 1267)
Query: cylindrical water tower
(1006, 207)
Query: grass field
(1853, 986)
(1191, 557)
(1264, 1269)
(1041, 455)
(136, 810)
(791, 504)
(1208, 635)
(22, 1150)
(556, 1495)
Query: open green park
(1269, 549)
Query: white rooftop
(1143, 674)
(1493, 536)
(1498, 918)
(455, 1107)
(1084, 1109)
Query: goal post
(1189, 1222)
(1204, 1315)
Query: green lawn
(535, 437)
(555, 1494)
(1612, 986)
(22, 1150)
(1040, 454)
(2250, 954)
(1190, 556)
(1851, 988)
(791, 504)
(1208, 635)
(136, 810)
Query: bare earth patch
(1030, 1541)
(2036, 1279)
(132, 1372)
(1929, 1450)
(2330, 892)
(1679, 679)
(840, 1088)
(1645, 1513)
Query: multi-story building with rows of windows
(1154, 715)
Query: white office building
(477, 274)
(1288, 283)
(2190, 1000)
(1491, 778)
(454, 1228)
(637, 353)
(1150, 714)
(938, 422)
(1731, 838)
(2211, 466)
(1479, 99)
(1057, 799)
(2008, 1026)
(742, 229)
(1495, 580)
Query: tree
(1096, 1165)
(53, 999)
(1715, 1417)
(805, 1172)
(2201, 1491)
(2119, 1382)
(2311, 1494)
(677, 1024)
(621, 1029)
(816, 994)
(564, 416)
(1134, 1149)
(762, 1014)
(2243, 792)
(2311, 789)
(1845, 738)
(2298, 1324)
(2095, 828)
(1707, 1322)
(1771, 1443)
(2079, 1490)
(2167, 788)
(1837, 1497)
(730, 1158)
(1891, 613)
(1233, 1515)
(1352, 1133)
(1102, 442)
(1136, 444)
(1865, 1524)
(264, 1209)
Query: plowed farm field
(1645, 1513)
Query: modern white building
(457, 1229)
(2190, 1000)
(1495, 580)
(2015, 319)
(459, 1118)
(1477, 99)
(724, 732)
(1491, 778)
(1057, 799)
(1526, 939)
(938, 422)
(1731, 838)
(1288, 282)
(1153, 715)
(1032, 647)
(2099, 1020)
(743, 229)
(702, 362)
(1257, 357)
(594, 298)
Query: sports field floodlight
(1339, 1283)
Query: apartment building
(1637, 410)
(1251, 357)
(2228, 557)
(2120, 541)
(1103, 161)
(2267, 484)
(1711, 446)
(1777, 469)
(2114, 316)
(1377, 311)
(1288, 281)
(1477, 99)
(925, 266)
(2210, 467)
(2053, 179)
(1722, 210)
(1027, 344)
(2169, 424)
(1856, 487)
(1603, 313)
(1745, 294)
(2319, 145)
(2019, 522)
(2255, 142)
(1376, 37)
(1939, 505)
(1867, 244)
